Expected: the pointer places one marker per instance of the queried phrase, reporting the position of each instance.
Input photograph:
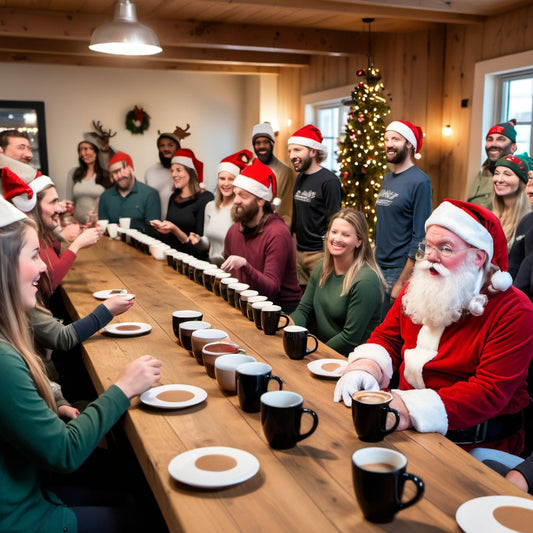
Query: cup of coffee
(238, 290)
(379, 477)
(184, 315)
(281, 414)
(103, 222)
(252, 381)
(225, 366)
(295, 342)
(370, 411)
(224, 284)
(256, 310)
(270, 315)
(201, 337)
(232, 291)
(213, 350)
(219, 276)
(112, 230)
(243, 300)
(185, 331)
(124, 222)
(208, 278)
(250, 302)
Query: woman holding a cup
(344, 294)
(186, 207)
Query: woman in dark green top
(344, 293)
(33, 439)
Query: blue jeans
(391, 276)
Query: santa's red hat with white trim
(9, 213)
(309, 136)
(235, 163)
(410, 132)
(186, 157)
(23, 195)
(259, 180)
(480, 228)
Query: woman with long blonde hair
(344, 294)
(509, 201)
(33, 439)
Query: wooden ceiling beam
(78, 26)
(170, 53)
(133, 62)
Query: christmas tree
(361, 151)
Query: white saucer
(317, 367)
(477, 515)
(150, 397)
(137, 328)
(241, 467)
(104, 295)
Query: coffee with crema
(372, 397)
(378, 467)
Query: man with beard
(458, 338)
(402, 206)
(129, 197)
(500, 141)
(317, 196)
(158, 175)
(263, 142)
(258, 248)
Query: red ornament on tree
(360, 72)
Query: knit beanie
(507, 129)
(520, 164)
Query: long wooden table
(307, 488)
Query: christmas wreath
(137, 120)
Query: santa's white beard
(440, 300)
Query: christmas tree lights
(361, 154)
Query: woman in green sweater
(344, 294)
(33, 439)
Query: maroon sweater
(271, 261)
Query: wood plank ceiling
(245, 36)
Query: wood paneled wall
(427, 75)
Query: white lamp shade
(124, 35)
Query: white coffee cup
(124, 222)
(112, 230)
(103, 224)
(225, 366)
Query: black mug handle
(283, 315)
(311, 350)
(396, 414)
(420, 487)
(314, 426)
(278, 379)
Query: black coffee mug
(184, 315)
(252, 381)
(295, 342)
(281, 414)
(369, 414)
(256, 311)
(379, 477)
(270, 316)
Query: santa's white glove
(351, 382)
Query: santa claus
(458, 338)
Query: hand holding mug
(351, 382)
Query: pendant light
(125, 35)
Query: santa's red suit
(457, 377)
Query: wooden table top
(306, 488)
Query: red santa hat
(235, 163)
(410, 132)
(121, 156)
(259, 180)
(480, 228)
(21, 194)
(9, 213)
(186, 157)
(309, 136)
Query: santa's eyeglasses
(445, 250)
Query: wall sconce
(447, 131)
(125, 35)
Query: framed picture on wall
(27, 117)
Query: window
(516, 101)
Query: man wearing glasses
(129, 197)
(458, 338)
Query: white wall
(218, 107)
